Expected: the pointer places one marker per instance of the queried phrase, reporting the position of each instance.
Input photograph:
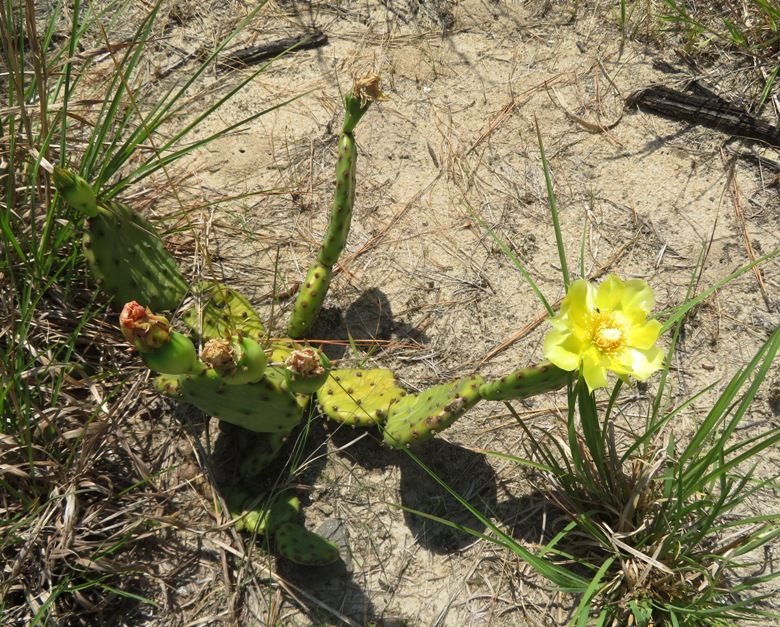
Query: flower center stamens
(608, 330)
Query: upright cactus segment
(310, 299)
(364, 92)
(525, 382)
(418, 417)
(123, 250)
(223, 311)
(360, 398)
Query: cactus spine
(364, 92)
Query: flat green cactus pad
(525, 382)
(359, 397)
(280, 350)
(301, 546)
(223, 311)
(263, 406)
(418, 417)
(127, 257)
(263, 520)
(265, 447)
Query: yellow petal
(595, 375)
(644, 336)
(610, 294)
(579, 301)
(638, 295)
(563, 350)
(640, 364)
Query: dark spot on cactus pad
(358, 374)
(544, 368)
(335, 407)
(303, 304)
(358, 401)
(350, 391)
(317, 275)
(336, 377)
(329, 391)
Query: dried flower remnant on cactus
(367, 89)
(605, 328)
(219, 355)
(305, 363)
(143, 329)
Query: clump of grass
(78, 540)
(747, 33)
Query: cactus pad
(126, 255)
(418, 417)
(525, 382)
(263, 520)
(263, 406)
(359, 397)
(223, 311)
(304, 547)
(265, 447)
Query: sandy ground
(453, 148)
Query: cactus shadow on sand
(467, 473)
(368, 317)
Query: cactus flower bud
(307, 370)
(142, 328)
(162, 349)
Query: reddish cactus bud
(142, 328)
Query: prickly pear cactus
(264, 406)
(525, 382)
(418, 417)
(237, 360)
(304, 547)
(360, 398)
(222, 311)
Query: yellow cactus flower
(605, 328)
